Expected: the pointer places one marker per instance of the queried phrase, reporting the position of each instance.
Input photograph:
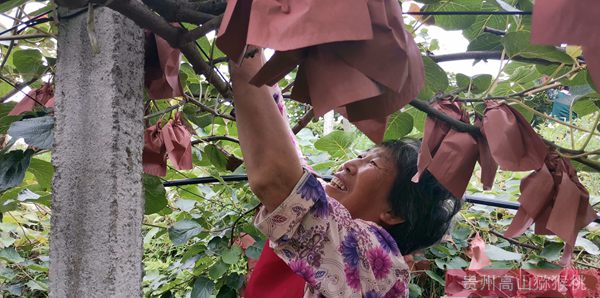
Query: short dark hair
(427, 207)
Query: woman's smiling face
(363, 184)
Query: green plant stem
(589, 137)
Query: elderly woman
(345, 238)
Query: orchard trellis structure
(204, 17)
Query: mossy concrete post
(97, 205)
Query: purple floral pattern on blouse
(336, 255)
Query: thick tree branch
(146, 18)
(303, 122)
(485, 55)
(473, 130)
(198, 32)
(215, 138)
(179, 11)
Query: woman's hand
(249, 66)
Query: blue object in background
(563, 99)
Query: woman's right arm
(272, 164)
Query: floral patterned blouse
(336, 255)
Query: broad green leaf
(399, 125)
(217, 270)
(574, 51)
(414, 290)
(485, 42)
(203, 288)
(10, 255)
(215, 156)
(336, 143)
(481, 83)
(451, 22)
(551, 251)
(37, 285)
(254, 251)
(498, 254)
(589, 246)
(232, 255)
(184, 230)
(497, 22)
(586, 106)
(517, 44)
(13, 166)
(227, 292)
(523, 111)
(463, 81)
(457, 263)
(155, 195)
(436, 79)
(235, 280)
(419, 118)
(505, 6)
(43, 172)
(37, 132)
(10, 4)
(435, 277)
(5, 119)
(29, 63)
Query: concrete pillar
(97, 205)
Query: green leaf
(414, 290)
(184, 230)
(419, 118)
(13, 166)
(10, 255)
(551, 251)
(335, 143)
(589, 246)
(10, 4)
(29, 63)
(215, 156)
(451, 22)
(435, 277)
(43, 172)
(485, 42)
(203, 288)
(227, 292)
(254, 251)
(517, 44)
(5, 119)
(457, 263)
(155, 195)
(482, 21)
(586, 106)
(498, 254)
(399, 125)
(217, 270)
(436, 79)
(37, 132)
(232, 255)
(523, 111)
(37, 285)
(481, 82)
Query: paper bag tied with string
(556, 22)
(513, 143)
(489, 167)
(354, 56)
(449, 155)
(178, 143)
(554, 199)
(43, 95)
(477, 253)
(154, 156)
(161, 68)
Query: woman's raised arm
(272, 163)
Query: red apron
(272, 278)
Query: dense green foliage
(190, 231)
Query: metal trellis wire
(474, 199)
